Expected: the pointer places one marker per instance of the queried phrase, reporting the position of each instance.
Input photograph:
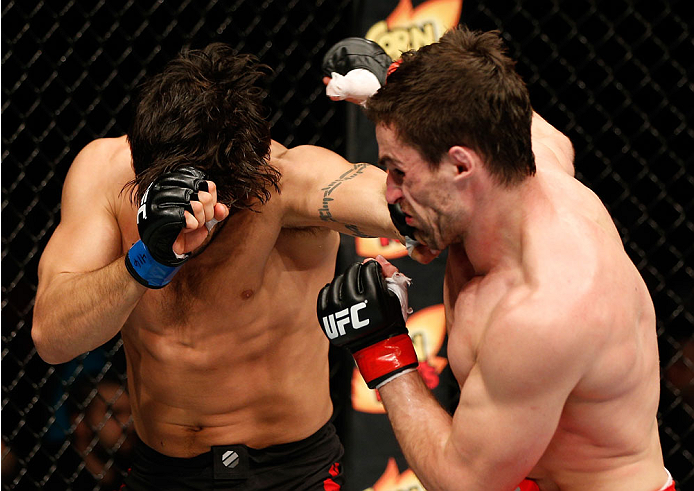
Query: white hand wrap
(359, 84)
(390, 379)
(209, 224)
(410, 244)
(398, 284)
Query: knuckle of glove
(185, 177)
(192, 171)
(170, 197)
(322, 303)
(355, 52)
(198, 180)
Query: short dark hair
(461, 90)
(205, 110)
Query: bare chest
(466, 314)
(240, 291)
(470, 302)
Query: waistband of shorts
(325, 432)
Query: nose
(393, 191)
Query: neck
(493, 238)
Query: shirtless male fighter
(551, 328)
(227, 369)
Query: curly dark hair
(205, 110)
(461, 90)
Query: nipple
(247, 294)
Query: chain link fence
(615, 76)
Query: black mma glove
(359, 312)
(357, 68)
(398, 218)
(352, 53)
(160, 218)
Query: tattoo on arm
(325, 213)
(354, 230)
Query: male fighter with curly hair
(199, 239)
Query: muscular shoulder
(107, 150)
(105, 160)
(100, 171)
(536, 340)
(300, 163)
(298, 168)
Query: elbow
(570, 168)
(45, 348)
(568, 153)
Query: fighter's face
(425, 196)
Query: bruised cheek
(422, 200)
(435, 209)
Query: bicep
(88, 236)
(509, 410)
(500, 434)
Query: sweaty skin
(551, 332)
(230, 351)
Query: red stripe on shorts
(329, 484)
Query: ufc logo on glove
(334, 324)
(359, 311)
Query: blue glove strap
(142, 266)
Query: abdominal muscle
(259, 393)
(238, 364)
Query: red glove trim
(393, 66)
(528, 485)
(385, 357)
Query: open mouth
(401, 220)
(409, 219)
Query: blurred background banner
(616, 77)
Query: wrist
(383, 361)
(145, 269)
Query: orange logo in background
(428, 332)
(393, 480)
(411, 28)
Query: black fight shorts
(310, 464)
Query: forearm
(356, 203)
(78, 312)
(423, 430)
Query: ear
(464, 159)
